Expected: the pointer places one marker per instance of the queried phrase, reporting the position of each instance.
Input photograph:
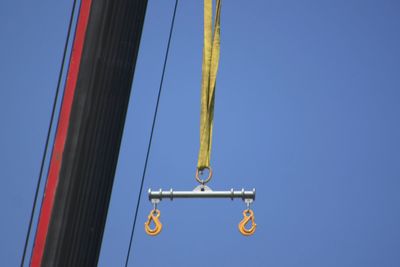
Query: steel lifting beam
(202, 192)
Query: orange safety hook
(153, 216)
(248, 215)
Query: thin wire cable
(151, 133)
(46, 146)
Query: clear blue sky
(307, 111)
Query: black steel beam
(88, 138)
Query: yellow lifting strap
(208, 81)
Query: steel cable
(46, 146)
(151, 134)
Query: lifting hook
(248, 215)
(153, 216)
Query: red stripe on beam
(61, 136)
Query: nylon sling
(211, 54)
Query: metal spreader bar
(202, 191)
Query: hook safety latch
(153, 216)
(248, 216)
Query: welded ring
(201, 181)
